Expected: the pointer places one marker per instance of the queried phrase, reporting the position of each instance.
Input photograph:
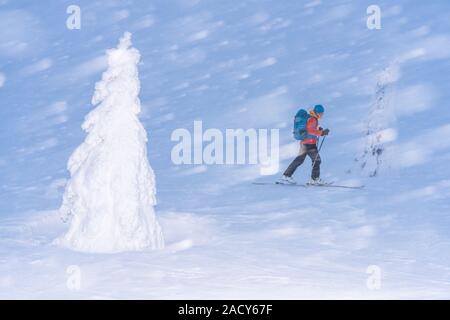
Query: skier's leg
(297, 162)
(313, 153)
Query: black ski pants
(306, 150)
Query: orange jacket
(312, 128)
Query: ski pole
(318, 151)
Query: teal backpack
(300, 120)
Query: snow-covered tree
(379, 127)
(110, 196)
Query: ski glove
(325, 132)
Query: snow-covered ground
(236, 64)
(263, 242)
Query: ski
(308, 185)
(334, 186)
(277, 183)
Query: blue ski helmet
(318, 108)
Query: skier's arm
(311, 127)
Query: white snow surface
(268, 242)
(111, 193)
(232, 64)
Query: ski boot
(318, 182)
(286, 180)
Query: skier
(308, 147)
